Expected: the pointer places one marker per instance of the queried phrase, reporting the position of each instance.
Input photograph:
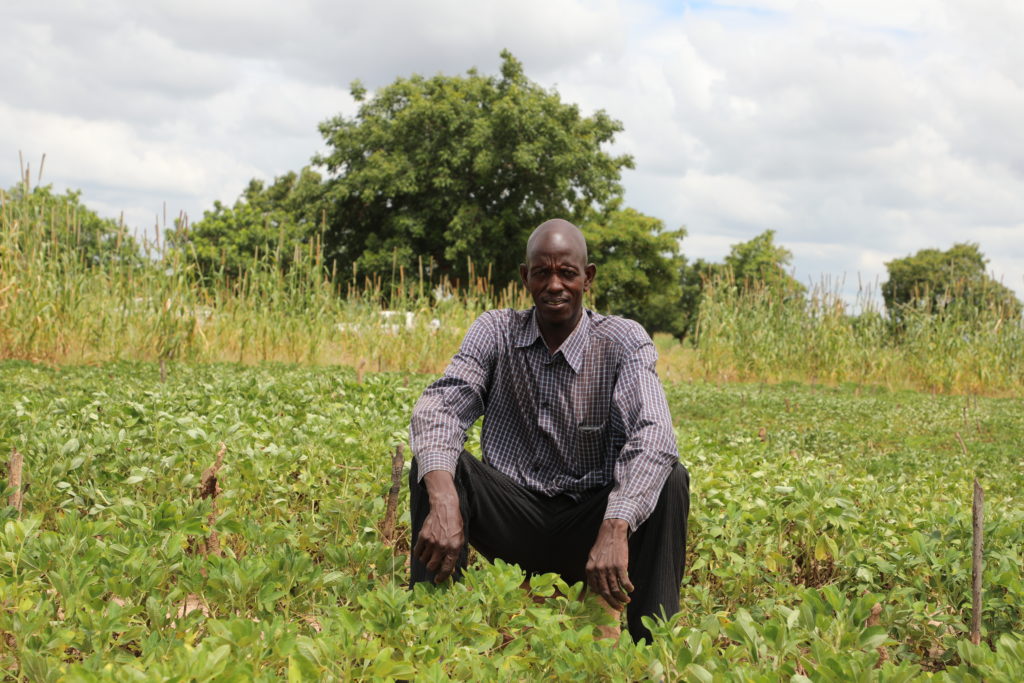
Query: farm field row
(830, 537)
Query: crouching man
(580, 474)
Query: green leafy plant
(813, 553)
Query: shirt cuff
(622, 508)
(429, 462)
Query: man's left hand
(608, 563)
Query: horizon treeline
(643, 273)
(75, 288)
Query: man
(580, 473)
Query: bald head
(557, 275)
(560, 235)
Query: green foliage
(287, 305)
(951, 282)
(67, 228)
(754, 333)
(759, 262)
(755, 265)
(639, 269)
(272, 219)
(57, 306)
(807, 513)
(804, 487)
(453, 168)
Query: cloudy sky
(859, 130)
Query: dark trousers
(542, 534)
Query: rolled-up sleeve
(450, 405)
(650, 450)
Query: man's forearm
(440, 487)
(442, 537)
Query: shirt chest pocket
(591, 447)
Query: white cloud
(735, 199)
(112, 153)
(842, 126)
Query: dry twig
(14, 471)
(209, 488)
(388, 525)
(978, 525)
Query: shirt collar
(572, 349)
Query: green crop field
(830, 537)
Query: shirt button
(536, 467)
(545, 404)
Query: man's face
(557, 276)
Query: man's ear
(589, 272)
(522, 274)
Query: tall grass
(754, 334)
(58, 307)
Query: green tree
(639, 268)
(461, 167)
(266, 219)
(696, 277)
(762, 263)
(61, 221)
(756, 263)
(946, 282)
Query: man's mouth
(554, 303)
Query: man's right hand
(442, 536)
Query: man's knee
(678, 479)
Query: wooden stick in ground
(978, 524)
(397, 463)
(208, 488)
(613, 631)
(14, 468)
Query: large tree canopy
(452, 168)
(457, 168)
(951, 281)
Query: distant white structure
(389, 316)
(392, 322)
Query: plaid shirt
(591, 413)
